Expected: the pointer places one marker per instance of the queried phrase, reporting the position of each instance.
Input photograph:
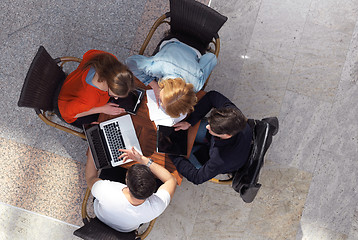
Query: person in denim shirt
(175, 60)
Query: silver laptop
(106, 138)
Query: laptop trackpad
(131, 140)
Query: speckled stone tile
(235, 36)
(222, 215)
(21, 224)
(353, 232)
(225, 78)
(112, 22)
(350, 69)
(319, 62)
(41, 182)
(19, 49)
(303, 121)
(341, 135)
(241, 16)
(276, 210)
(329, 13)
(312, 231)
(331, 200)
(261, 86)
(178, 219)
(81, 44)
(24, 13)
(5, 20)
(279, 27)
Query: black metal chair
(94, 229)
(193, 23)
(42, 86)
(245, 180)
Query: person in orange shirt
(86, 91)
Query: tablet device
(131, 102)
(171, 141)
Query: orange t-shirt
(76, 95)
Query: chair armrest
(84, 214)
(63, 60)
(156, 24)
(43, 117)
(147, 231)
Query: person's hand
(112, 109)
(157, 93)
(154, 85)
(132, 154)
(181, 126)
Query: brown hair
(177, 96)
(117, 75)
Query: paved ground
(297, 60)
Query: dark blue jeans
(200, 139)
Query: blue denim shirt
(175, 59)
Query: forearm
(91, 173)
(187, 169)
(94, 110)
(154, 85)
(212, 99)
(160, 172)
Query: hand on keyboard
(132, 154)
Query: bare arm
(109, 108)
(169, 182)
(154, 85)
(91, 172)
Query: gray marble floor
(296, 59)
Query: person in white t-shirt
(125, 207)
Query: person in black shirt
(222, 146)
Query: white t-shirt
(112, 207)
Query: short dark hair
(228, 120)
(141, 181)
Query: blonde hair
(177, 96)
(117, 75)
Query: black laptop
(131, 102)
(171, 141)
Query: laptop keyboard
(99, 148)
(115, 140)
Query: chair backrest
(194, 23)
(42, 82)
(95, 229)
(246, 178)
